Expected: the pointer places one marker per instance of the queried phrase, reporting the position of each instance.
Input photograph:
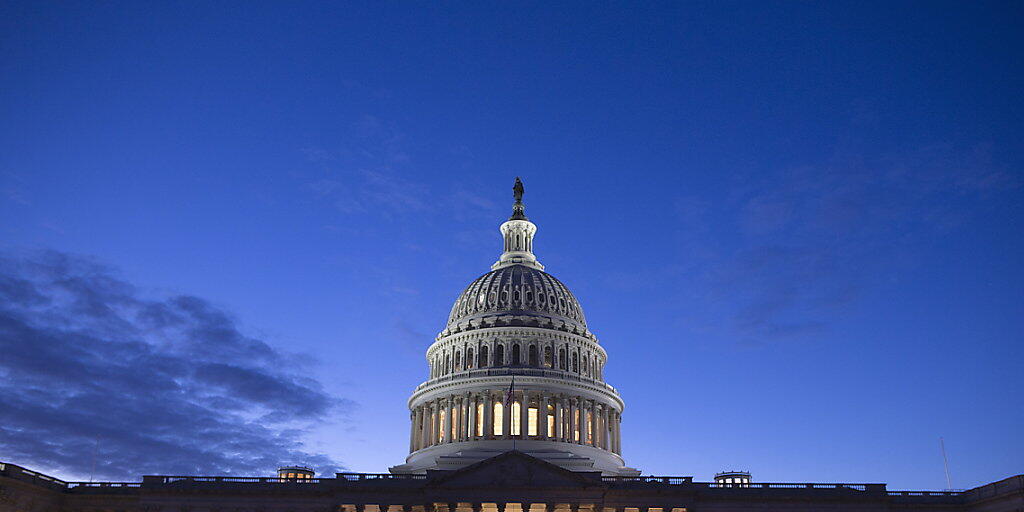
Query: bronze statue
(518, 210)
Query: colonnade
(486, 416)
(463, 356)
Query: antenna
(95, 448)
(945, 462)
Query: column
(593, 423)
(435, 407)
(617, 437)
(560, 417)
(453, 427)
(471, 417)
(460, 426)
(488, 415)
(413, 418)
(542, 415)
(524, 416)
(604, 427)
(464, 417)
(506, 418)
(425, 413)
(442, 425)
(573, 420)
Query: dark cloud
(95, 373)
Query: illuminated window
(440, 424)
(515, 418)
(590, 437)
(547, 357)
(458, 361)
(455, 423)
(498, 411)
(470, 361)
(576, 429)
(531, 421)
(479, 420)
(551, 421)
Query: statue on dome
(518, 210)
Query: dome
(518, 292)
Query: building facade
(515, 416)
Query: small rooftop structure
(295, 472)
(737, 478)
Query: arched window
(562, 362)
(479, 419)
(586, 365)
(551, 420)
(458, 361)
(533, 357)
(440, 425)
(447, 364)
(498, 411)
(483, 356)
(515, 427)
(499, 355)
(575, 362)
(470, 361)
(547, 357)
(515, 354)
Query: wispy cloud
(95, 372)
(812, 237)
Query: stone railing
(163, 479)
(519, 371)
(688, 480)
(671, 480)
(955, 492)
(339, 477)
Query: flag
(508, 394)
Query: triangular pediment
(515, 469)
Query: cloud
(93, 372)
(812, 237)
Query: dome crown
(518, 291)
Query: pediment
(515, 469)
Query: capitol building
(514, 416)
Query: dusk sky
(230, 230)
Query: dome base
(572, 457)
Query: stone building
(515, 416)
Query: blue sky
(795, 227)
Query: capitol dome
(517, 295)
(516, 369)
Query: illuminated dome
(517, 295)
(516, 368)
